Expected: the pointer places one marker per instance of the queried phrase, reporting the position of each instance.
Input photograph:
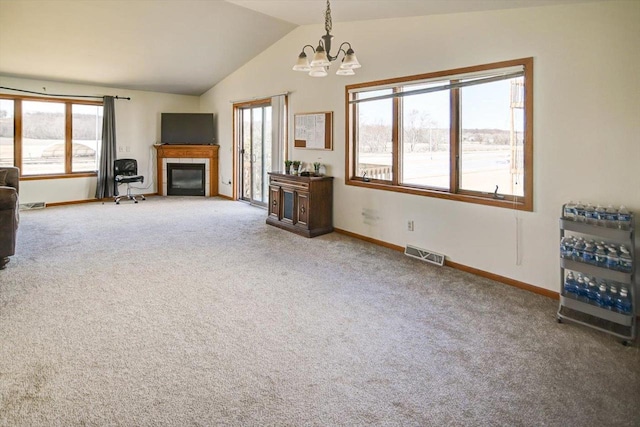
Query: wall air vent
(34, 205)
(424, 255)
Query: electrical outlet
(410, 225)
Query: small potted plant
(316, 168)
(296, 167)
(287, 166)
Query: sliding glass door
(255, 153)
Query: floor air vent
(424, 255)
(34, 205)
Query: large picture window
(463, 134)
(50, 137)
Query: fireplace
(207, 154)
(186, 179)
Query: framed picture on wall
(313, 131)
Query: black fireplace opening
(185, 179)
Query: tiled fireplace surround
(207, 173)
(207, 154)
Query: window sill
(58, 176)
(487, 200)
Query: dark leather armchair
(8, 212)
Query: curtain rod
(67, 96)
(238, 101)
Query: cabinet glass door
(256, 152)
(287, 205)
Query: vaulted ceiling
(176, 46)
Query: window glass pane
(43, 128)
(425, 137)
(257, 153)
(267, 153)
(246, 156)
(375, 136)
(492, 137)
(6, 132)
(87, 137)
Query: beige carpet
(193, 312)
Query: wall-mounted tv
(187, 128)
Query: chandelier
(322, 57)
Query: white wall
(586, 122)
(137, 129)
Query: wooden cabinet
(301, 204)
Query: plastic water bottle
(623, 302)
(611, 216)
(580, 212)
(589, 253)
(604, 298)
(625, 262)
(601, 214)
(583, 288)
(571, 284)
(601, 256)
(624, 218)
(578, 249)
(592, 291)
(566, 247)
(613, 293)
(590, 214)
(569, 211)
(612, 258)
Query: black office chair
(125, 171)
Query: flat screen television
(187, 128)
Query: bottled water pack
(609, 217)
(609, 295)
(606, 255)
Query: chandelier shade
(322, 57)
(345, 72)
(350, 61)
(303, 63)
(318, 72)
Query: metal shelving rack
(620, 325)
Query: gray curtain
(104, 188)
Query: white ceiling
(303, 12)
(176, 46)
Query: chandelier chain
(327, 18)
